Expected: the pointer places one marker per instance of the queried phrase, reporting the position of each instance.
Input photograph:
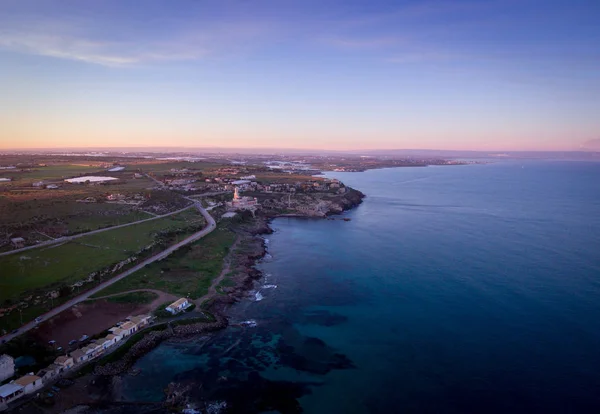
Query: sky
(326, 74)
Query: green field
(48, 268)
(139, 298)
(52, 172)
(187, 272)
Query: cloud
(364, 43)
(82, 41)
(591, 145)
(419, 57)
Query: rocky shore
(153, 339)
(242, 275)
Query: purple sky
(490, 75)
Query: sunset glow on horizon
(458, 75)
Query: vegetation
(160, 311)
(27, 346)
(30, 276)
(188, 272)
(140, 298)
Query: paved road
(89, 233)
(196, 236)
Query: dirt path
(212, 290)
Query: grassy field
(282, 178)
(48, 268)
(188, 272)
(29, 206)
(139, 298)
(52, 172)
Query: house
(7, 367)
(94, 349)
(115, 197)
(17, 242)
(140, 320)
(118, 332)
(65, 362)
(128, 328)
(30, 383)
(49, 373)
(79, 356)
(178, 306)
(9, 392)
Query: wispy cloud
(364, 43)
(75, 40)
(424, 56)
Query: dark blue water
(453, 289)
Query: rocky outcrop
(313, 204)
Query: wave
(269, 286)
(258, 297)
(251, 323)
(216, 407)
(266, 241)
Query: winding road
(211, 225)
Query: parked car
(60, 348)
(15, 331)
(73, 342)
(52, 342)
(83, 338)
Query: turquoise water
(452, 289)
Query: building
(17, 242)
(30, 383)
(9, 392)
(128, 328)
(7, 367)
(49, 373)
(140, 320)
(65, 362)
(79, 356)
(242, 203)
(178, 306)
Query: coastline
(217, 305)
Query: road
(211, 225)
(89, 233)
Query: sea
(451, 289)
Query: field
(188, 272)
(283, 178)
(51, 172)
(30, 276)
(140, 298)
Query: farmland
(61, 270)
(187, 272)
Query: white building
(178, 306)
(9, 392)
(242, 203)
(17, 242)
(7, 367)
(30, 383)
